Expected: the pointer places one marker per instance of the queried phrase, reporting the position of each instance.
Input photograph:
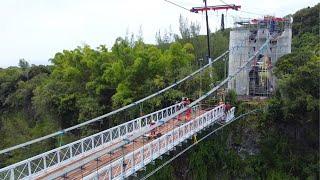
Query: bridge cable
(239, 69)
(261, 49)
(113, 112)
(197, 142)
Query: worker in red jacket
(227, 107)
(188, 112)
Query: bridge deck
(46, 162)
(137, 159)
(106, 159)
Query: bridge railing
(130, 163)
(85, 146)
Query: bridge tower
(245, 39)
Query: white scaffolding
(257, 78)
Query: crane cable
(177, 5)
(242, 10)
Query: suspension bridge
(121, 151)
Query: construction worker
(227, 107)
(189, 111)
(188, 101)
(153, 131)
(185, 101)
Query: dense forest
(280, 142)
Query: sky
(37, 29)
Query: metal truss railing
(130, 163)
(67, 153)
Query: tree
(23, 64)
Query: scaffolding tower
(245, 39)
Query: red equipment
(269, 18)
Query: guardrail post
(29, 168)
(127, 128)
(102, 139)
(139, 123)
(70, 149)
(121, 168)
(58, 156)
(110, 173)
(44, 162)
(142, 161)
(167, 143)
(12, 173)
(92, 141)
(157, 118)
(132, 161)
(82, 148)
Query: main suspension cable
(262, 48)
(113, 112)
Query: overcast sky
(36, 29)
